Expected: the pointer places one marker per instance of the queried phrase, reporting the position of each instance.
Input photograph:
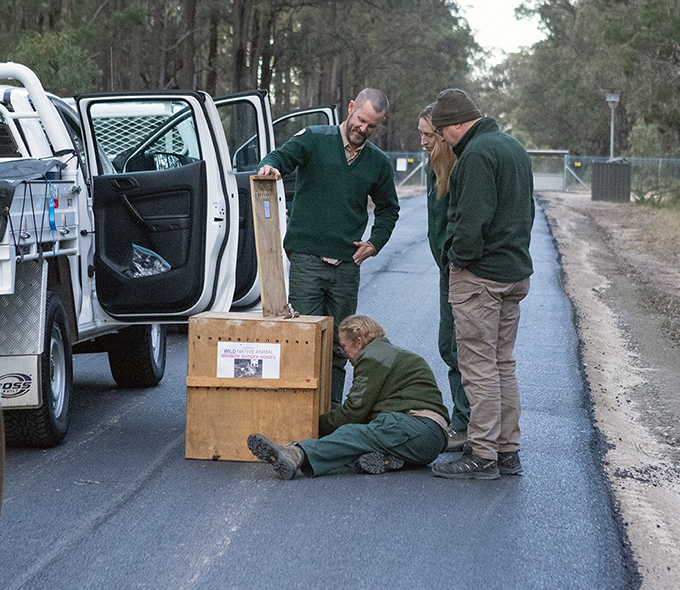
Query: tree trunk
(267, 48)
(213, 37)
(65, 13)
(188, 80)
(328, 76)
(256, 43)
(135, 65)
(240, 20)
(159, 23)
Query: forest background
(311, 52)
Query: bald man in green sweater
(337, 169)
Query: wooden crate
(223, 411)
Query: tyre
(47, 426)
(138, 358)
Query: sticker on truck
(19, 385)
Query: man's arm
(288, 157)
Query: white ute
(116, 218)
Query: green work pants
(319, 288)
(460, 415)
(415, 439)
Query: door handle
(123, 183)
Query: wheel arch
(59, 283)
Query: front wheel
(46, 426)
(138, 358)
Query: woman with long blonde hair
(439, 168)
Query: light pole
(612, 99)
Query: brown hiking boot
(377, 463)
(285, 460)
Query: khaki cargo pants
(486, 315)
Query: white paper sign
(248, 360)
(402, 165)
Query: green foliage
(434, 52)
(59, 61)
(644, 141)
(555, 91)
(524, 138)
(666, 195)
(304, 52)
(650, 36)
(655, 181)
(309, 52)
(409, 49)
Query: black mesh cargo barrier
(611, 181)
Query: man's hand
(267, 170)
(364, 250)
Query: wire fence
(655, 179)
(409, 168)
(652, 179)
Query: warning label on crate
(248, 360)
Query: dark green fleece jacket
(331, 197)
(386, 379)
(491, 205)
(437, 210)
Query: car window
(8, 147)
(285, 128)
(240, 123)
(145, 134)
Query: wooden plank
(268, 245)
(236, 383)
(325, 370)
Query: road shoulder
(627, 307)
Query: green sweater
(331, 197)
(437, 210)
(386, 379)
(491, 205)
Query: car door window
(145, 135)
(286, 127)
(240, 124)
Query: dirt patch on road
(621, 270)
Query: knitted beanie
(453, 106)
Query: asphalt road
(117, 506)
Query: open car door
(247, 124)
(164, 202)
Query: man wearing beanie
(491, 211)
